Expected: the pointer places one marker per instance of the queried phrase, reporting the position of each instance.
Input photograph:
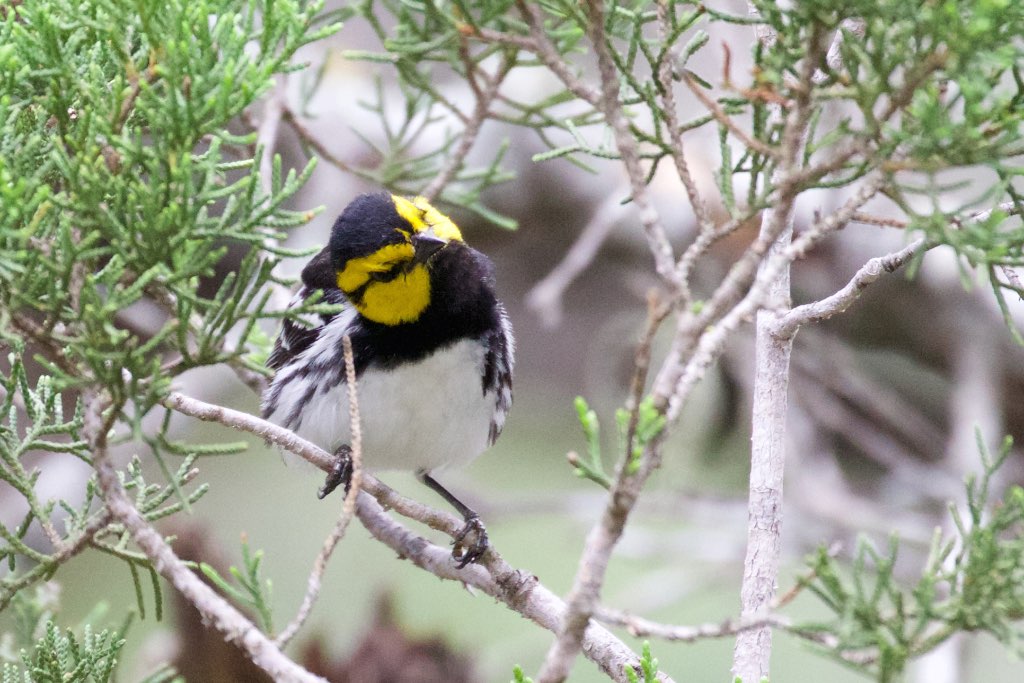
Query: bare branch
(519, 590)
(309, 138)
(719, 114)
(583, 597)
(697, 346)
(484, 98)
(705, 223)
(215, 610)
(1013, 278)
(703, 242)
(771, 381)
(611, 108)
(767, 468)
(785, 326)
(645, 628)
(548, 54)
(545, 298)
(486, 35)
(880, 221)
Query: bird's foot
(470, 543)
(341, 472)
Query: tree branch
(786, 325)
(235, 627)
(484, 98)
(546, 51)
(519, 590)
(583, 597)
(719, 115)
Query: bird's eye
(386, 275)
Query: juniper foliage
(124, 179)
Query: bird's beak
(426, 244)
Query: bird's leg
(341, 472)
(471, 541)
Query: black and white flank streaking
(432, 345)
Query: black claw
(470, 543)
(341, 473)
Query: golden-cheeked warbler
(432, 346)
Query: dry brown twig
(721, 117)
(481, 112)
(348, 507)
(583, 597)
(667, 87)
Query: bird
(432, 345)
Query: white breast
(418, 416)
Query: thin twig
(641, 628)
(706, 230)
(309, 138)
(214, 609)
(710, 344)
(519, 590)
(864, 143)
(1014, 279)
(584, 595)
(645, 628)
(486, 35)
(552, 58)
(484, 98)
(693, 325)
(348, 508)
(716, 111)
(657, 311)
(700, 336)
(666, 83)
(785, 326)
(611, 107)
(880, 221)
(545, 298)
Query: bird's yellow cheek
(358, 271)
(397, 301)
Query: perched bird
(432, 346)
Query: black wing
(296, 336)
(499, 362)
